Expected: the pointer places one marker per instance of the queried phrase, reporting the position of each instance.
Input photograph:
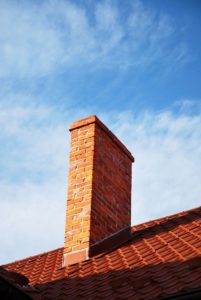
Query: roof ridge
(32, 256)
(161, 219)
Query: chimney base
(105, 245)
(75, 257)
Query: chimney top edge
(83, 122)
(95, 120)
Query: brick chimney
(98, 213)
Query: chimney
(98, 213)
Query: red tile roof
(162, 258)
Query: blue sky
(137, 65)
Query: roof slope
(162, 258)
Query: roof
(162, 258)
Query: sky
(136, 65)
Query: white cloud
(33, 180)
(34, 134)
(32, 216)
(39, 38)
(167, 171)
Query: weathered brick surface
(99, 190)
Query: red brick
(99, 190)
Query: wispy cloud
(40, 38)
(30, 134)
(32, 217)
(167, 171)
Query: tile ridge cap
(31, 256)
(171, 216)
